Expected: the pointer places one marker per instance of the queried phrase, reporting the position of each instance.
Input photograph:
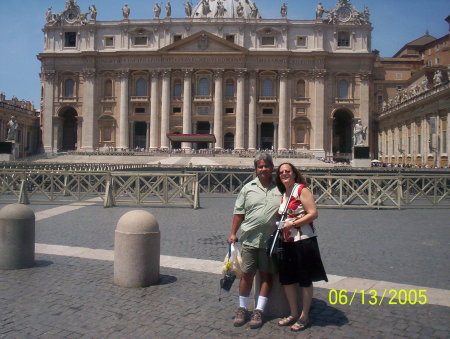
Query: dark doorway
(203, 127)
(176, 144)
(267, 130)
(140, 134)
(69, 129)
(228, 142)
(342, 135)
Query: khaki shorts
(254, 259)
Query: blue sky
(395, 22)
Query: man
(255, 213)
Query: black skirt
(302, 263)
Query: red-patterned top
(295, 210)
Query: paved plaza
(69, 293)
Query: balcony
(139, 99)
(108, 99)
(267, 99)
(230, 99)
(300, 100)
(344, 101)
(68, 99)
(202, 98)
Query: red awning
(191, 137)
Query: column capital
(187, 72)
(241, 72)
(218, 73)
(283, 74)
(122, 74)
(253, 73)
(49, 75)
(319, 73)
(88, 74)
(154, 73)
(165, 73)
(364, 76)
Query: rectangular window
(379, 99)
(139, 110)
(109, 41)
(268, 41)
(301, 41)
(267, 111)
(70, 39)
(343, 39)
(230, 38)
(176, 110)
(177, 37)
(140, 41)
(229, 110)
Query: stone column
(218, 108)
(364, 104)
(57, 132)
(258, 137)
(123, 111)
(147, 136)
(252, 112)
(165, 108)
(154, 111)
(275, 137)
(318, 123)
(80, 122)
(87, 143)
(240, 111)
(187, 107)
(47, 111)
(283, 113)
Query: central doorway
(140, 134)
(69, 129)
(267, 132)
(342, 135)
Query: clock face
(344, 14)
(71, 16)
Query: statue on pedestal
(283, 10)
(126, 11)
(188, 8)
(319, 11)
(93, 11)
(359, 133)
(156, 11)
(168, 10)
(12, 129)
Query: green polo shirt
(259, 206)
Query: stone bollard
(17, 235)
(137, 250)
(277, 305)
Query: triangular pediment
(203, 42)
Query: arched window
(229, 88)
(301, 89)
(203, 87)
(108, 88)
(177, 88)
(267, 90)
(343, 89)
(68, 88)
(141, 88)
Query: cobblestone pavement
(72, 297)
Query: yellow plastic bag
(233, 262)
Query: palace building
(252, 82)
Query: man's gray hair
(263, 156)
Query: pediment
(203, 42)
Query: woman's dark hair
(299, 178)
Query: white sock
(243, 301)
(262, 301)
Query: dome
(226, 9)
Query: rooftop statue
(93, 12)
(126, 11)
(240, 10)
(283, 10)
(156, 11)
(188, 8)
(319, 10)
(220, 10)
(168, 10)
(437, 78)
(12, 129)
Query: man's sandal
(299, 326)
(287, 321)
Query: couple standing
(256, 210)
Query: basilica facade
(254, 83)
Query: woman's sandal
(299, 326)
(287, 321)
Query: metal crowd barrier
(111, 188)
(350, 190)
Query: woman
(301, 263)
